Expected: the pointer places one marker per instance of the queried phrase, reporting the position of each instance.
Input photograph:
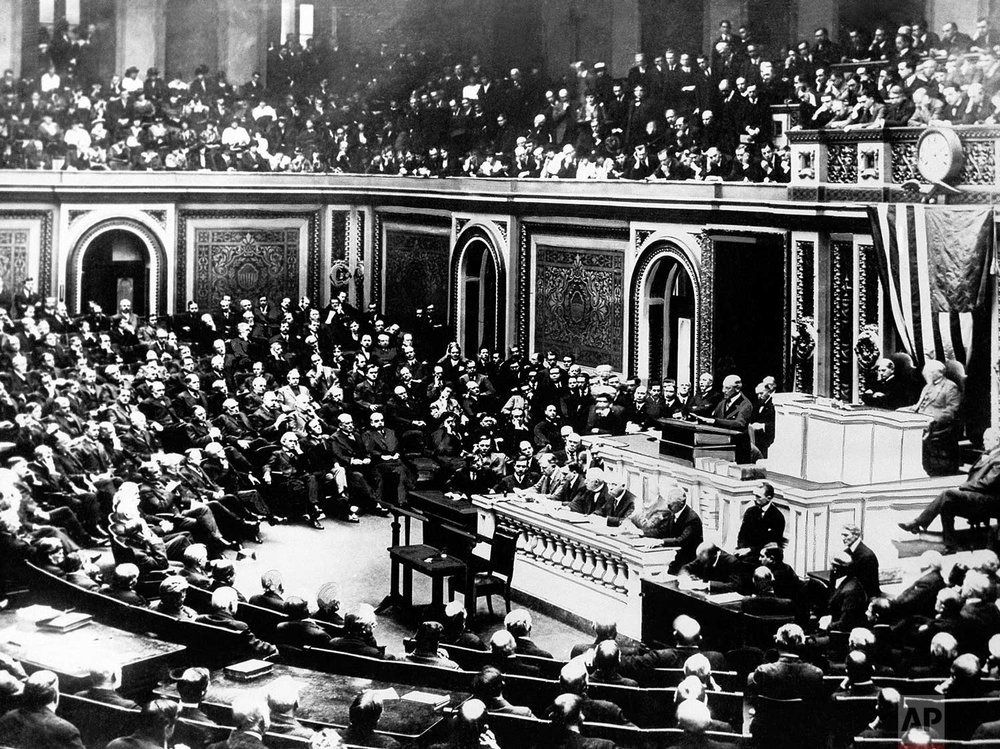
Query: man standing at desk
(940, 399)
(733, 412)
(762, 524)
(675, 523)
(864, 563)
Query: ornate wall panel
(805, 306)
(243, 259)
(416, 272)
(16, 237)
(842, 163)
(578, 304)
(842, 318)
(245, 262)
(14, 245)
(359, 257)
(868, 312)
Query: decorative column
(11, 35)
(141, 29)
(841, 318)
(804, 351)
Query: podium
(687, 440)
(819, 441)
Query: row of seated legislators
(176, 439)
(678, 114)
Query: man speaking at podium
(733, 412)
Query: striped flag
(933, 263)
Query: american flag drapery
(933, 262)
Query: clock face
(935, 156)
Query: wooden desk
(325, 699)
(723, 625)
(852, 444)
(71, 654)
(429, 561)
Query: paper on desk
(426, 698)
(691, 583)
(387, 694)
(37, 613)
(732, 597)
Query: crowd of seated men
(679, 115)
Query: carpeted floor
(355, 557)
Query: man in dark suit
(706, 398)
(35, 723)
(573, 679)
(587, 494)
(620, 503)
(604, 417)
(567, 714)
(848, 600)
(387, 457)
(733, 412)
(864, 563)
(976, 498)
(252, 719)
(358, 637)
(271, 596)
(363, 482)
(518, 623)
(298, 630)
(919, 597)
(763, 601)
(686, 634)
(671, 520)
(888, 391)
(488, 686)
(715, 566)
(104, 679)
(762, 524)
(789, 677)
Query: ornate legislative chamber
(654, 279)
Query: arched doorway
(478, 313)
(115, 266)
(669, 310)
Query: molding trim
(653, 251)
(474, 233)
(154, 247)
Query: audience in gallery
(676, 115)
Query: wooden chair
(497, 574)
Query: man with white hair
(977, 498)
(587, 497)
(789, 677)
(670, 519)
(283, 701)
(252, 718)
(941, 400)
(734, 412)
(918, 598)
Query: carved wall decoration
(159, 216)
(805, 306)
(359, 257)
(641, 235)
(245, 262)
(578, 304)
(73, 215)
(43, 274)
(158, 270)
(243, 222)
(980, 163)
(502, 228)
(416, 272)
(705, 340)
(14, 245)
(904, 162)
(842, 318)
(842, 163)
(340, 224)
(523, 285)
(460, 223)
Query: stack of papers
(732, 597)
(426, 698)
